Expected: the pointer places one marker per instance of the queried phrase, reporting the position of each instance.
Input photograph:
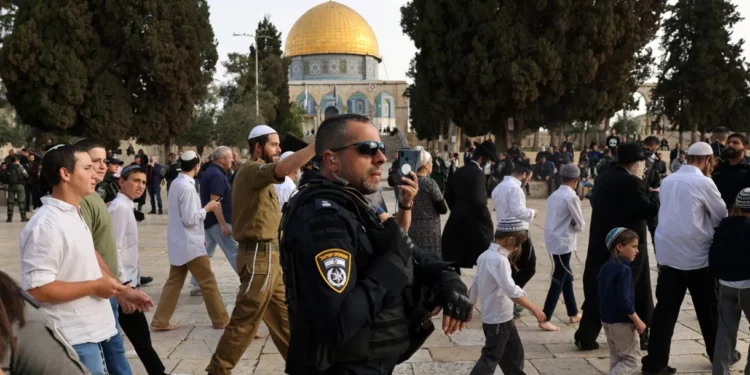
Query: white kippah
(512, 225)
(189, 155)
(261, 130)
(700, 149)
(285, 155)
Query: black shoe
(587, 346)
(9, 221)
(152, 212)
(736, 358)
(161, 212)
(24, 219)
(665, 371)
(145, 280)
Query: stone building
(334, 69)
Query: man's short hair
(88, 144)
(333, 133)
(741, 137)
(697, 158)
(568, 179)
(56, 158)
(720, 133)
(651, 141)
(189, 165)
(12, 158)
(172, 154)
(252, 142)
(521, 169)
(607, 151)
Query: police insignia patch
(102, 193)
(335, 266)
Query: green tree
(15, 133)
(235, 121)
(625, 125)
(109, 70)
(703, 78)
(274, 70)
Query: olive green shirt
(96, 216)
(255, 208)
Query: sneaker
(196, 291)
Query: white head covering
(511, 225)
(700, 149)
(261, 130)
(189, 155)
(285, 155)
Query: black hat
(630, 152)
(487, 149)
(113, 160)
(292, 143)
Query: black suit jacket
(469, 230)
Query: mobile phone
(408, 161)
(220, 199)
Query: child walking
(563, 222)
(616, 301)
(494, 286)
(729, 261)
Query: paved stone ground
(189, 349)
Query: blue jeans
(227, 243)
(114, 348)
(562, 281)
(92, 357)
(155, 192)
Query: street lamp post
(257, 93)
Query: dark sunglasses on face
(365, 147)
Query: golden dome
(331, 28)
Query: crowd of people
(345, 287)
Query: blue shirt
(214, 181)
(616, 294)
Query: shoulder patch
(335, 267)
(101, 191)
(321, 204)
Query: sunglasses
(365, 147)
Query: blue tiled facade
(333, 67)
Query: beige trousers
(624, 348)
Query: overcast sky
(230, 16)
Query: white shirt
(494, 287)
(563, 221)
(691, 207)
(125, 229)
(510, 201)
(185, 234)
(284, 190)
(56, 245)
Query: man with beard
(354, 278)
(733, 175)
(620, 199)
(691, 209)
(256, 217)
(469, 230)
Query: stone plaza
(189, 349)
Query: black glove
(453, 296)
(139, 216)
(391, 240)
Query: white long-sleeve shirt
(56, 245)
(563, 221)
(510, 201)
(284, 190)
(125, 230)
(493, 286)
(185, 234)
(691, 207)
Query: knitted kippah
(612, 236)
(125, 171)
(743, 199)
(512, 225)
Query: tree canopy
(483, 61)
(703, 78)
(109, 70)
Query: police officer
(733, 173)
(39, 347)
(360, 295)
(15, 176)
(109, 187)
(255, 226)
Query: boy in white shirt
(494, 286)
(59, 267)
(563, 221)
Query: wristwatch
(405, 208)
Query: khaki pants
(265, 300)
(624, 348)
(200, 267)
